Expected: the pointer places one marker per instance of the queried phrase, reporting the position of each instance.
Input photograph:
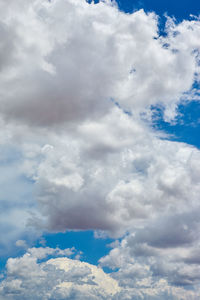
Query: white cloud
(57, 278)
(76, 160)
(70, 70)
(64, 278)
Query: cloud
(16, 199)
(21, 243)
(62, 76)
(77, 81)
(56, 278)
(163, 250)
(62, 278)
(65, 71)
(120, 181)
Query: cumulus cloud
(70, 70)
(164, 248)
(77, 81)
(56, 278)
(120, 181)
(63, 278)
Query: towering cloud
(58, 278)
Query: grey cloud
(137, 180)
(173, 231)
(193, 257)
(176, 273)
(165, 249)
(7, 47)
(142, 250)
(117, 194)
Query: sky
(99, 150)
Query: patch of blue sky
(92, 248)
(185, 128)
(11, 249)
(179, 10)
(16, 252)
(16, 195)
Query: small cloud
(21, 244)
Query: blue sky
(82, 180)
(186, 127)
(172, 8)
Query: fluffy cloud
(56, 278)
(76, 81)
(36, 276)
(70, 70)
(161, 255)
(122, 182)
